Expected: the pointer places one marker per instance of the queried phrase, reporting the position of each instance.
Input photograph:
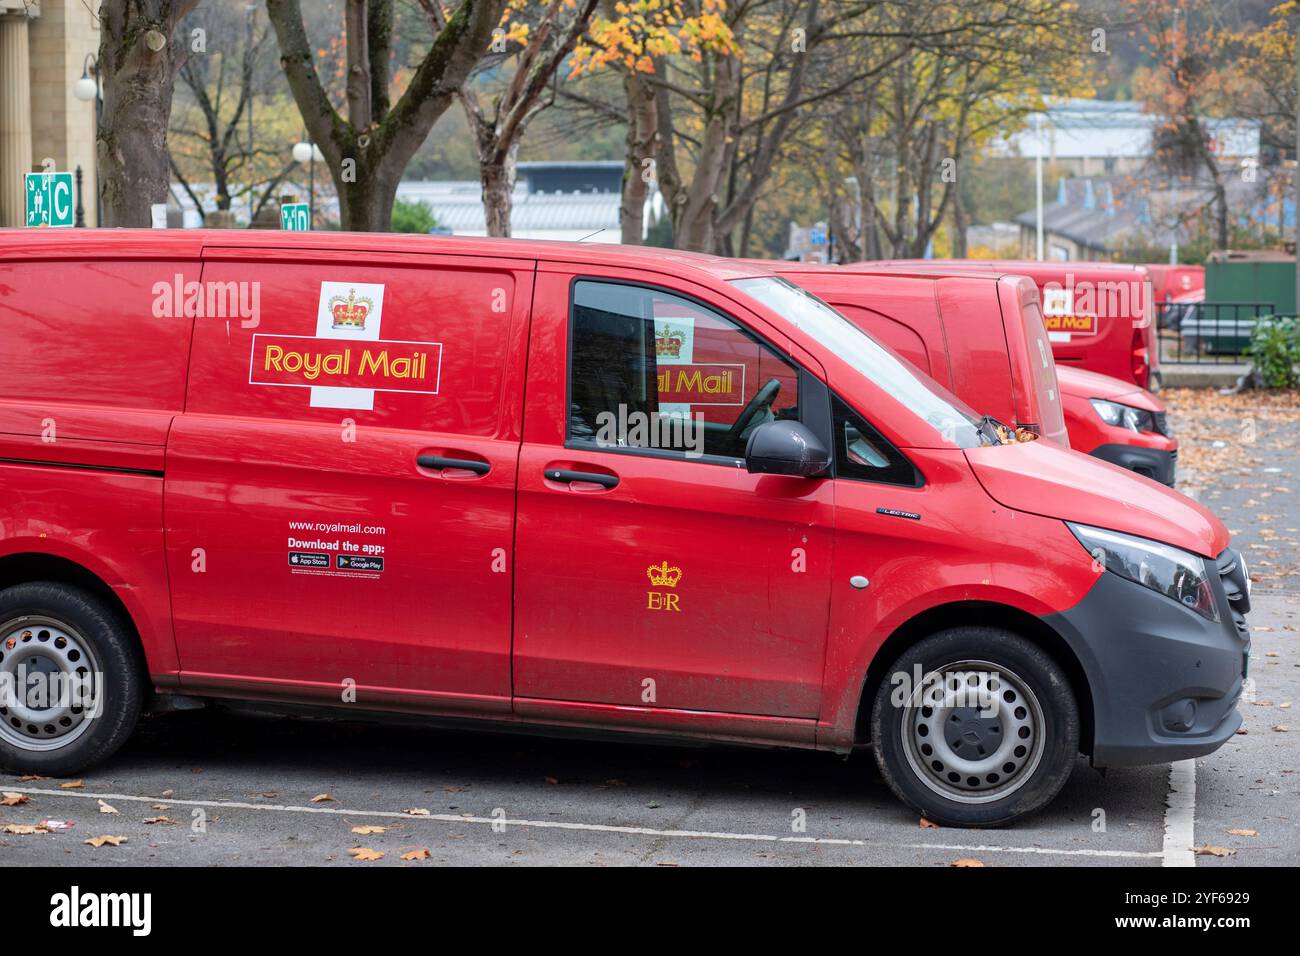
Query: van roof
(1030, 267)
(190, 243)
(918, 269)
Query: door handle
(594, 477)
(438, 462)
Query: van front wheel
(71, 679)
(975, 727)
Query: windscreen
(944, 412)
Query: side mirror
(786, 448)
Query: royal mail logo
(346, 362)
(1083, 324)
(702, 384)
(381, 366)
(350, 312)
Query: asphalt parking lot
(232, 788)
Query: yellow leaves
(646, 30)
(72, 785)
(322, 798)
(416, 812)
(106, 840)
(365, 853)
(1244, 832)
(967, 861)
(1209, 850)
(420, 854)
(367, 830)
(23, 829)
(10, 799)
(928, 824)
(105, 808)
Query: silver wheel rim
(36, 650)
(974, 733)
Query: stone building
(43, 49)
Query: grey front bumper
(1164, 681)
(1153, 463)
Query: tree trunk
(138, 81)
(694, 207)
(958, 225)
(642, 128)
(367, 204)
(1220, 212)
(366, 162)
(498, 181)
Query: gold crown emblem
(669, 343)
(349, 313)
(663, 576)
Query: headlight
(1175, 573)
(1125, 416)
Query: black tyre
(74, 679)
(990, 735)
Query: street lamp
(86, 89)
(309, 153)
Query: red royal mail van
(951, 322)
(1099, 315)
(585, 488)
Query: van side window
(863, 454)
(652, 370)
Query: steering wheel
(763, 399)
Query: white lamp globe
(302, 152)
(85, 88)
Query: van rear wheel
(71, 679)
(988, 736)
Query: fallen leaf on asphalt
(161, 806)
(72, 785)
(1209, 850)
(31, 776)
(23, 829)
(167, 793)
(105, 808)
(1240, 832)
(1271, 653)
(322, 798)
(13, 799)
(552, 780)
(365, 853)
(165, 821)
(966, 861)
(928, 825)
(416, 812)
(101, 840)
(420, 854)
(1280, 728)
(367, 830)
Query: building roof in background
(1115, 129)
(459, 207)
(1098, 211)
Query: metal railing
(1208, 332)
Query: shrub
(413, 216)
(1275, 350)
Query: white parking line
(1180, 815)
(589, 827)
